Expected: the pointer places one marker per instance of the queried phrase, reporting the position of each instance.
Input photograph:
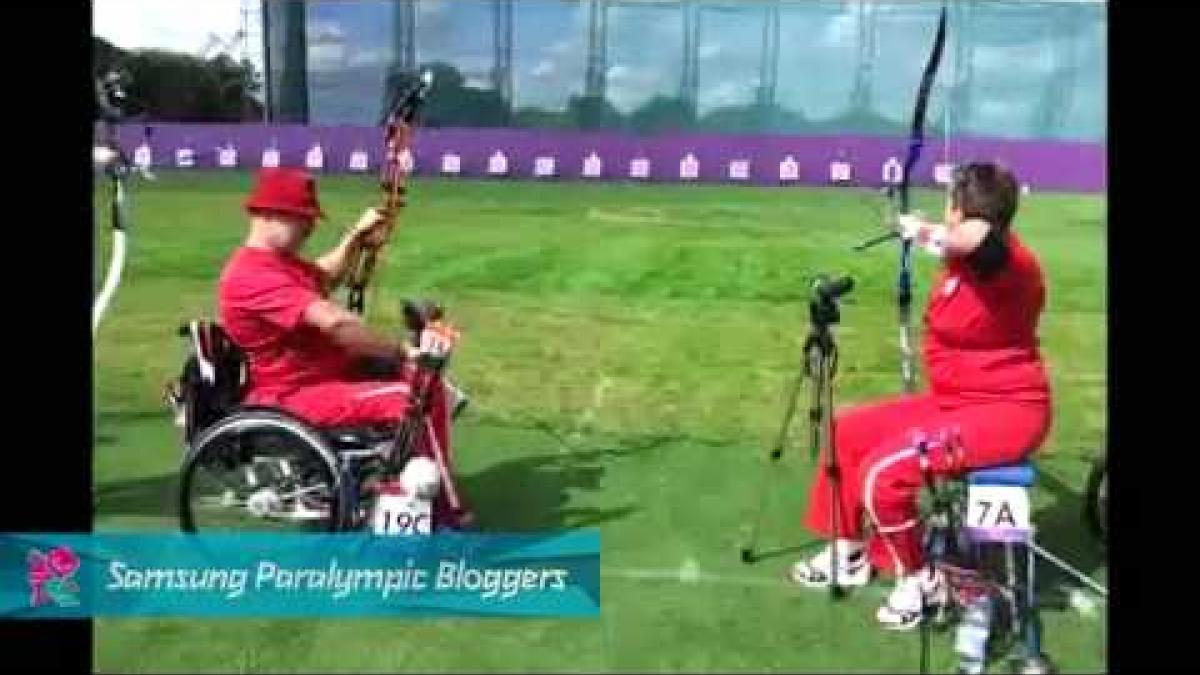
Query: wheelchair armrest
(432, 363)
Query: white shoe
(914, 592)
(853, 571)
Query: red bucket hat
(291, 191)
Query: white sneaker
(902, 609)
(853, 571)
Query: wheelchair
(250, 467)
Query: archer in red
(304, 352)
(988, 401)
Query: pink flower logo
(50, 577)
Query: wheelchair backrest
(213, 380)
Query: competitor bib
(402, 515)
(998, 513)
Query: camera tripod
(820, 367)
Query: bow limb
(916, 143)
(117, 167)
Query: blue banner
(292, 575)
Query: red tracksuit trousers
(386, 402)
(880, 469)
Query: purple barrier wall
(1043, 165)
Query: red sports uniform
(988, 389)
(262, 297)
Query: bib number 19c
(398, 515)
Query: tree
(741, 119)
(662, 114)
(868, 122)
(175, 87)
(538, 118)
(453, 104)
(593, 112)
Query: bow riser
(393, 182)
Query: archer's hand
(910, 225)
(930, 236)
(371, 229)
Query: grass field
(627, 349)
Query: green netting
(1012, 69)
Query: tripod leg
(835, 475)
(821, 419)
(748, 549)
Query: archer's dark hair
(988, 191)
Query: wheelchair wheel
(1096, 500)
(260, 470)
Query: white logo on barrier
(185, 158)
(839, 172)
(406, 161)
(143, 156)
(270, 158)
(227, 156)
(359, 160)
(543, 167)
(893, 171)
(498, 164)
(789, 169)
(315, 157)
(943, 173)
(689, 167)
(592, 166)
(451, 163)
(639, 168)
(1025, 188)
(739, 169)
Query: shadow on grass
(150, 496)
(108, 420)
(535, 493)
(528, 493)
(1062, 530)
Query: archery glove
(930, 236)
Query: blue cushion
(1020, 475)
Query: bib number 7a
(998, 512)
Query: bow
(916, 142)
(398, 121)
(110, 98)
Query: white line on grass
(589, 414)
(1082, 602)
(689, 574)
(645, 216)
